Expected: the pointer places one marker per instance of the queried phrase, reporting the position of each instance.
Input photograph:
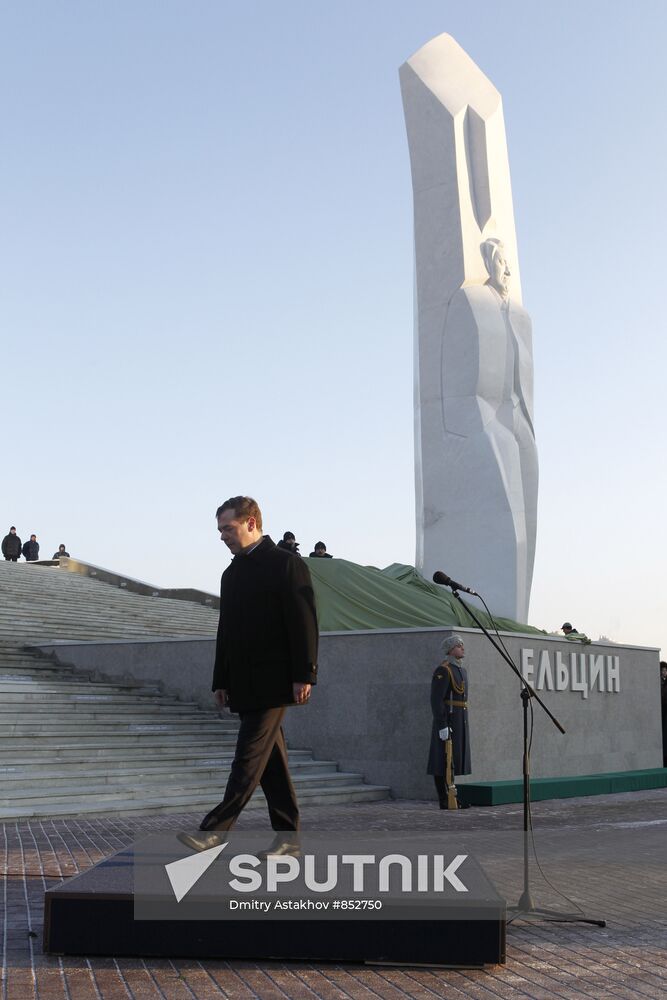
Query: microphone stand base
(526, 908)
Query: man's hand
(301, 693)
(220, 697)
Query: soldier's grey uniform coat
(453, 715)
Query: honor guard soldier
(449, 704)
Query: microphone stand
(525, 905)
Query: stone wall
(371, 710)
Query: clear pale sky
(206, 281)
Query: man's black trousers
(260, 759)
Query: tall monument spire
(476, 460)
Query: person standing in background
(11, 546)
(31, 549)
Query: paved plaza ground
(608, 854)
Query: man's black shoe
(281, 848)
(201, 841)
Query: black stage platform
(94, 914)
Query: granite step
(33, 701)
(104, 722)
(24, 784)
(39, 771)
(85, 754)
(80, 705)
(27, 688)
(195, 784)
(187, 802)
(146, 735)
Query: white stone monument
(475, 454)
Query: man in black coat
(266, 659)
(31, 549)
(11, 546)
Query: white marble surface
(476, 460)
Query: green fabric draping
(350, 596)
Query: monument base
(93, 914)
(495, 793)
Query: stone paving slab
(608, 853)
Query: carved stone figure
(476, 460)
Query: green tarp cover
(350, 596)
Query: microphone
(446, 581)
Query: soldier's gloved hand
(444, 733)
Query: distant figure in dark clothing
(61, 553)
(11, 546)
(663, 702)
(320, 551)
(572, 634)
(31, 549)
(289, 543)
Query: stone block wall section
(181, 667)
(370, 710)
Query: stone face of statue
(493, 253)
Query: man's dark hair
(12, 528)
(289, 536)
(320, 545)
(243, 507)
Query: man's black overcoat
(30, 550)
(11, 546)
(267, 635)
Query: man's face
(500, 273)
(237, 533)
(12, 531)
(457, 651)
(33, 538)
(320, 550)
(663, 673)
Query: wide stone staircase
(72, 744)
(38, 603)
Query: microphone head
(441, 578)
